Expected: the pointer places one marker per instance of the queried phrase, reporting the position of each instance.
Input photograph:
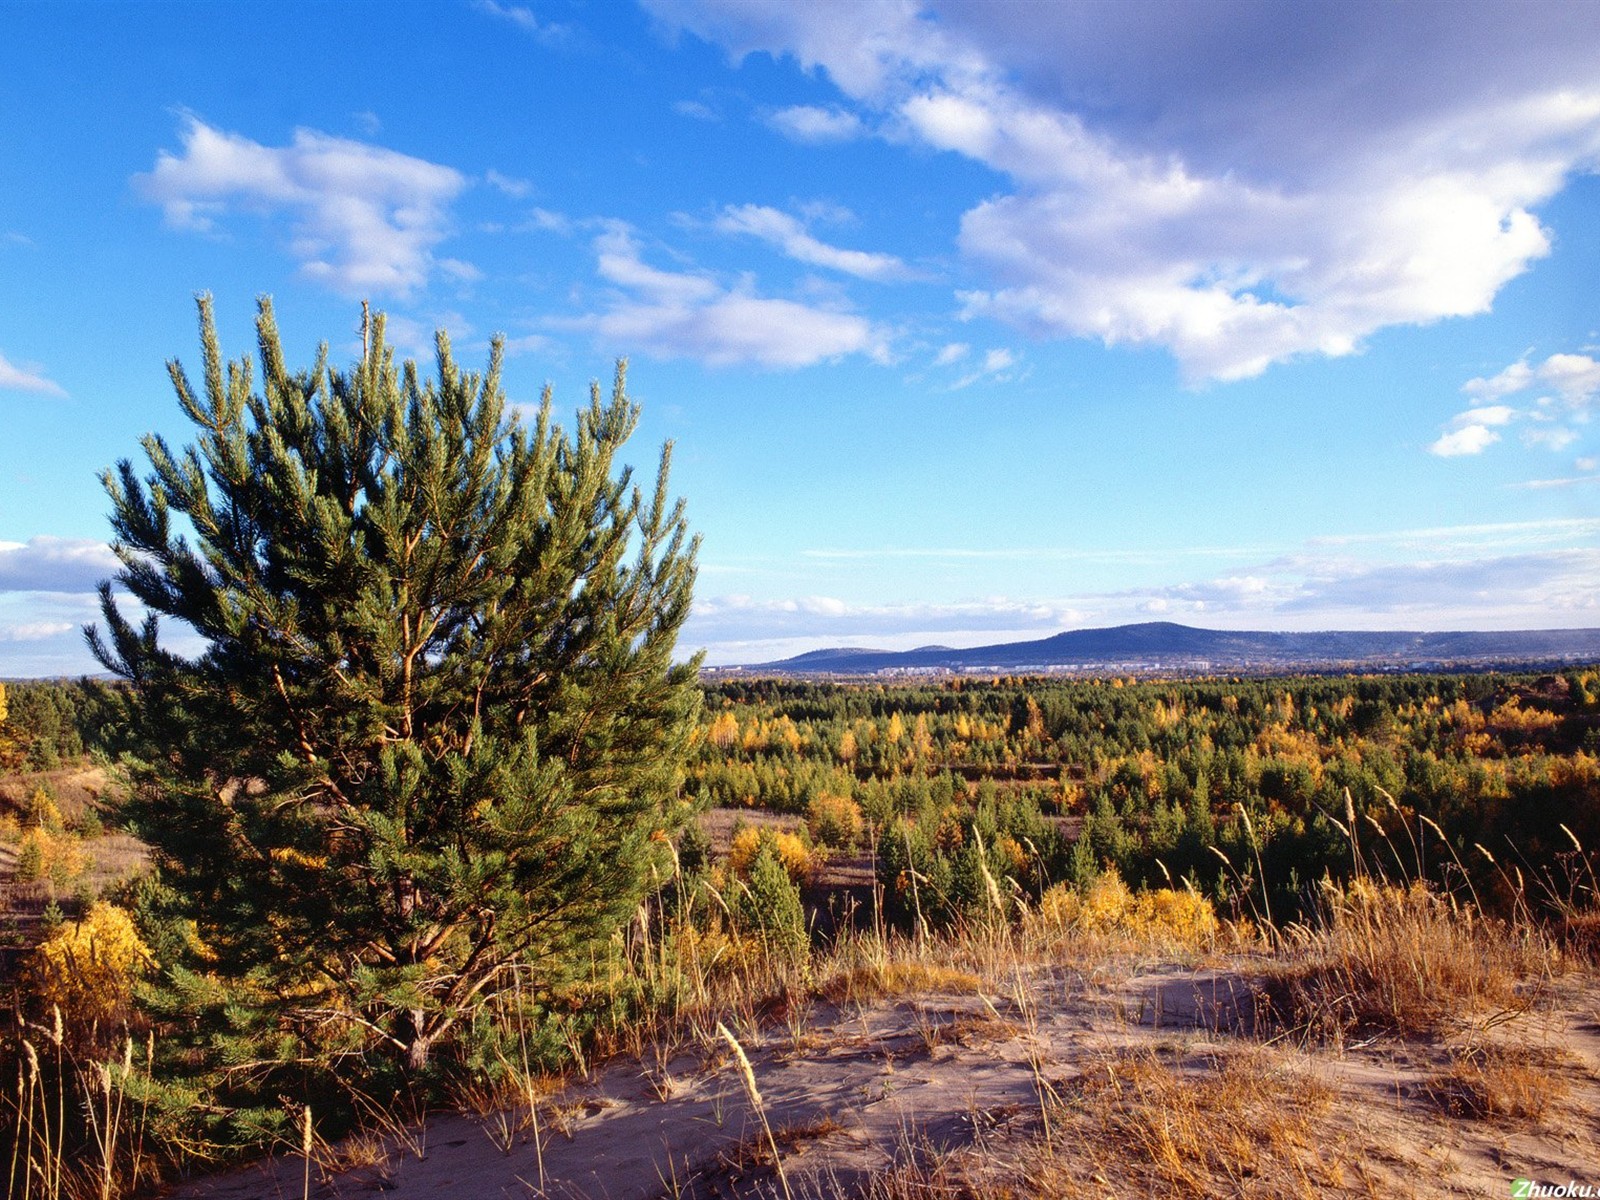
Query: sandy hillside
(1151, 1084)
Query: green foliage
(769, 906)
(435, 721)
(1236, 786)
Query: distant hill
(1164, 646)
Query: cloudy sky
(971, 321)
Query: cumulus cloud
(689, 314)
(952, 353)
(1573, 378)
(53, 564)
(1178, 183)
(807, 123)
(364, 220)
(791, 236)
(15, 378)
(1570, 383)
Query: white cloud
(27, 379)
(1456, 540)
(1544, 485)
(508, 185)
(693, 315)
(365, 220)
(697, 110)
(807, 123)
(547, 33)
(1493, 414)
(997, 365)
(1174, 185)
(1557, 437)
(952, 353)
(34, 631)
(546, 221)
(795, 240)
(1575, 378)
(53, 564)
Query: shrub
(770, 904)
(88, 968)
(834, 821)
(793, 854)
(1108, 907)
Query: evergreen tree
(434, 719)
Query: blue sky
(970, 321)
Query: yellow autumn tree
(88, 968)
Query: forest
(1249, 792)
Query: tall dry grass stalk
(748, 1075)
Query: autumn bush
(834, 821)
(88, 968)
(791, 852)
(1108, 907)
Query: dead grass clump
(1406, 960)
(897, 977)
(1244, 1124)
(1512, 1083)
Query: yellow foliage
(896, 729)
(1011, 852)
(44, 813)
(724, 732)
(88, 967)
(785, 731)
(47, 855)
(1511, 715)
(297, 858)
(1110, 907)
(793, 853)
(834, 820)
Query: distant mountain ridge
(1164, 645)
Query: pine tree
(434, 721)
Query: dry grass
(1406, 961)
(1240, 1124)
(1246, 1124)
(900, 976)
(1505, 1083)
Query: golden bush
(1109, 907)
(88, 967)
(834, 820)
(796, 857)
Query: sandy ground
(851, 1089)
